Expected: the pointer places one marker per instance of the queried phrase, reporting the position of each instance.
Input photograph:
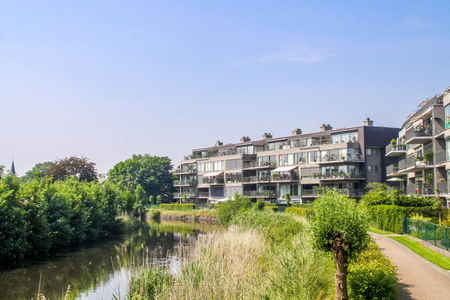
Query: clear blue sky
(106, 79)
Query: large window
(344, 137)
(300, 158)
(278, 145)
(245, 149)
(313, 156)
(200, 167)
(286, 159)
(264, 161)
(208, 166)
(234, 177)
(218, 165)
(292, 189)
(216, 192)
(300, 143)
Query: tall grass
(240, 263)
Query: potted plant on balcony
(275, 176)
(394, 142)
(441, 180)
(428, 156)
(342, 158)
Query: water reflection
(101, 270)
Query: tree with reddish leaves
(340, 226)
(80, 168)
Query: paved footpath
(420, 279)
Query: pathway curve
(420, 279)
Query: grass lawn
(379, 231)
(436, 258)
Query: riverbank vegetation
(260, 254)
(41, 216)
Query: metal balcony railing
(285, 177)
(262, 194)
(184, 182)
(188, 195)
(338, 175)
(392, 169)
(212, 180)
(402, 164)
(203, 194)
(185, 171)
(392, 148)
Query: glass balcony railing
(184, 182)
(213, 180)
(262, 194)
(188, 195)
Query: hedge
(299, 211)
(272, 208)
(372, 276)
(390, 217)
(177, 206)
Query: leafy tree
(81, 168)
(151, 199)
(2, 169)
(158, 199)
(141, 201)
(153, 173)
(37, 171)
(377, 194)
(339, 225)
(184, 198)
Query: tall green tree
(339, 225)
(40, 168)
(80, 168)
(153, 173)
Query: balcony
(441, 158)
(260, 165)
(226, 152)
(349, 192)
(185, 171)
(203, 194)
(284, 177)
(249, 179)
(397, 150)
(419, 136)
(333, 160)
(260, 194)
(443, 188)
(184, 182)
(418, 166)
(392, 170)
(338, 176)
(213, 180)
(188, 195)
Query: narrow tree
(184, 198)
(339, 225)
(158, 199)
(288, 199)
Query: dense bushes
(230, 208)
(372, 276)
(271, 208)
(298, 211)
(390, 217)
(275, 227)
(40, 216)
(177, 206)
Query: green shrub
(271, 208)
(177, 206)
(275, 227)
(230, 208)
(372, 276)
(390, 217)
(260, 204)
(302, 205)
(298, 211)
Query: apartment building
(422, 150)
(344, 158)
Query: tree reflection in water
(102, 269)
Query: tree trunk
(340, 267)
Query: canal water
(101, 270)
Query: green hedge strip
(390, 217)
(177, 206)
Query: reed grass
(237, 263)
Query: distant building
(345, 158)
